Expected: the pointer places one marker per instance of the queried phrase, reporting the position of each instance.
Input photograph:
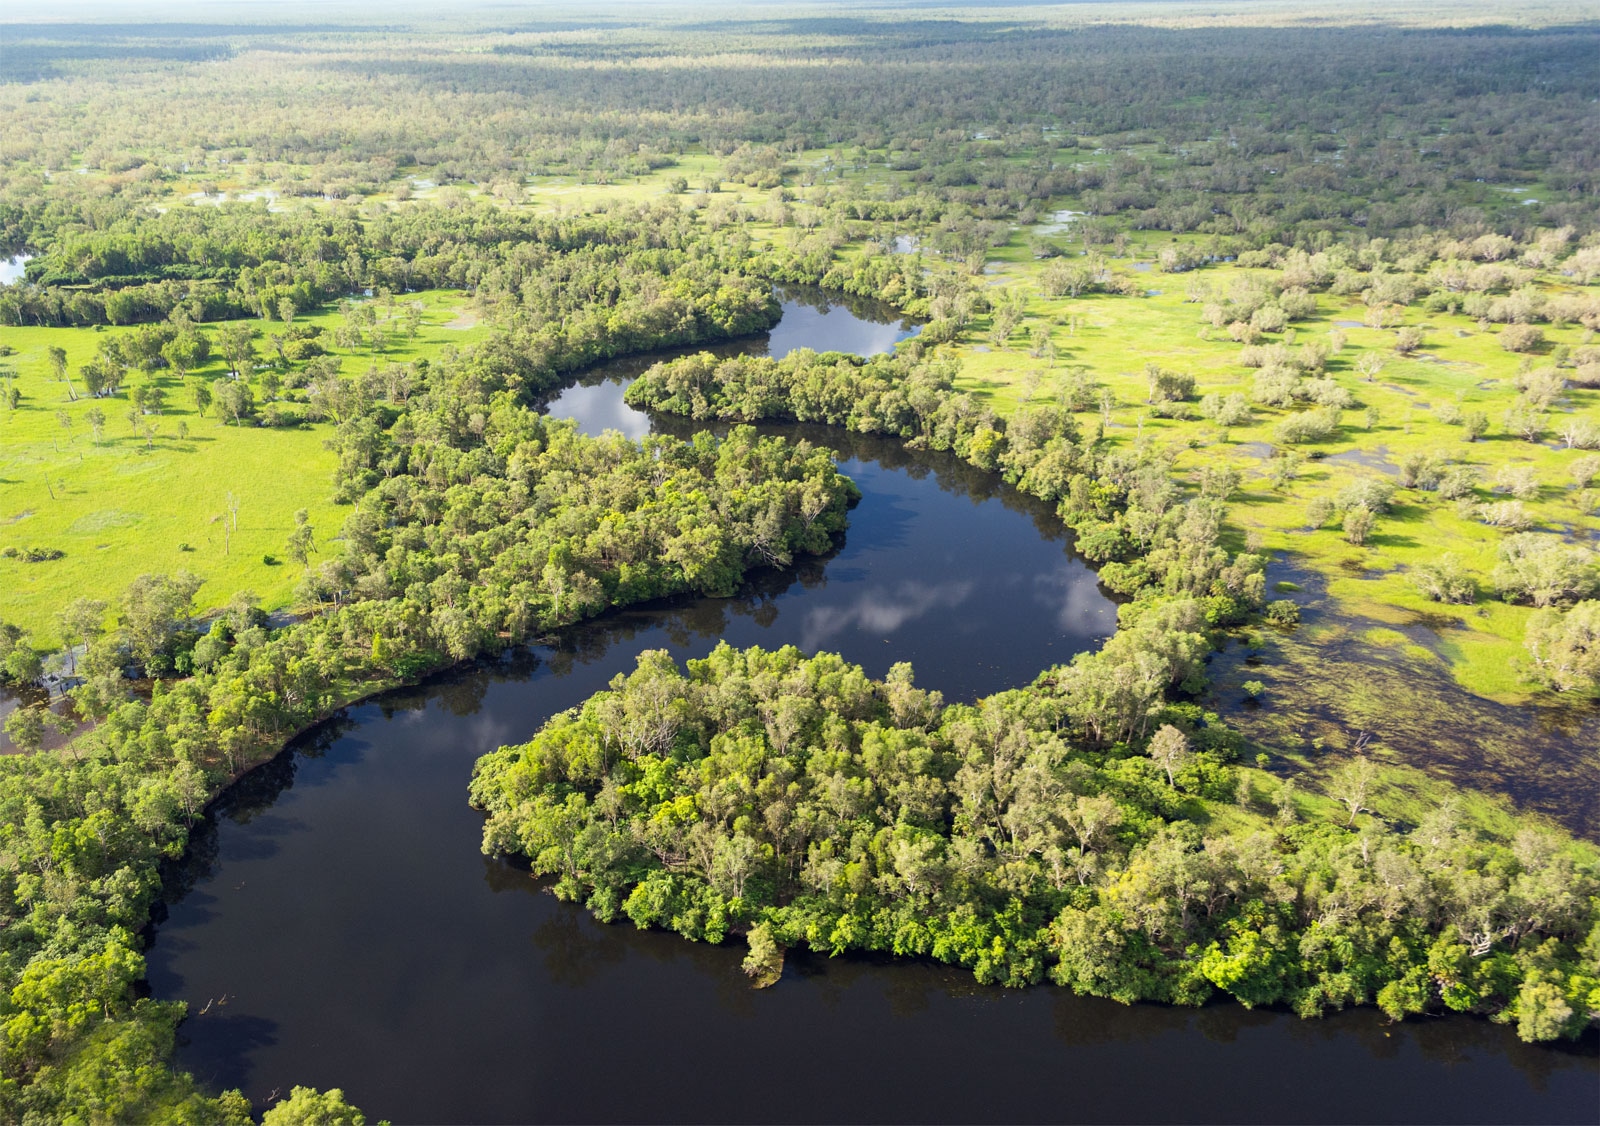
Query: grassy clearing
(125, 503)
(1459, 364)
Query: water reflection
(1327, 680)
(443, 987)
(879, 610)
(334, 924)
(811, 319)
(404, 968)
(828, 323)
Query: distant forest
(1237, 131)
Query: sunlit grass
(126, 504)
(1114, 337)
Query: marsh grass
(1113, 337)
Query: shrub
(1282, 612)
(1521, 338)
(1317, 513)
(1421, 471)
(1276, 386)
(1408, 340)
(1458, 481)
(1310, 426)
(1358, 524)
(1518, 480)
(1269, 318)
(1508, 514)
(1444, 580)
(1328, 393)
(1372, 493)
(1168, 386)
(1232, 411)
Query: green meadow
(1459, 365)
(171, 491)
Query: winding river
(334, 923)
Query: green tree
(1358, 521)
(25, 728)
(237, 340)
(302, 541)
(306, 1106)
(1351, 783)
(1170, 750)
(152, 609)
(235, 398)
(80, 622)
(1565, 646)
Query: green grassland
(132, 501)
(1459, 363)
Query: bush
(1232, 411)
(1372, 493)
(1444, 580)
(1276, 386)
(1521, 338)
(1458, 481)
(1421, 471)
(1358, 524)
(1282, 612)
(1269, 318)
(1508, 514)
(1328, 393)
(1311, 426)
(1169, 386)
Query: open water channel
(334, 923)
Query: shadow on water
(1326, 681)
(334, 923)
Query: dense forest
(1036, 833)
(1231, 129)
(249, 220)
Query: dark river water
(334, 923)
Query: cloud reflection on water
(878, 611)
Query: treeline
(1130, 515)
(632, 278)
(1222, 130)
(487, 524)
(795, 801)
